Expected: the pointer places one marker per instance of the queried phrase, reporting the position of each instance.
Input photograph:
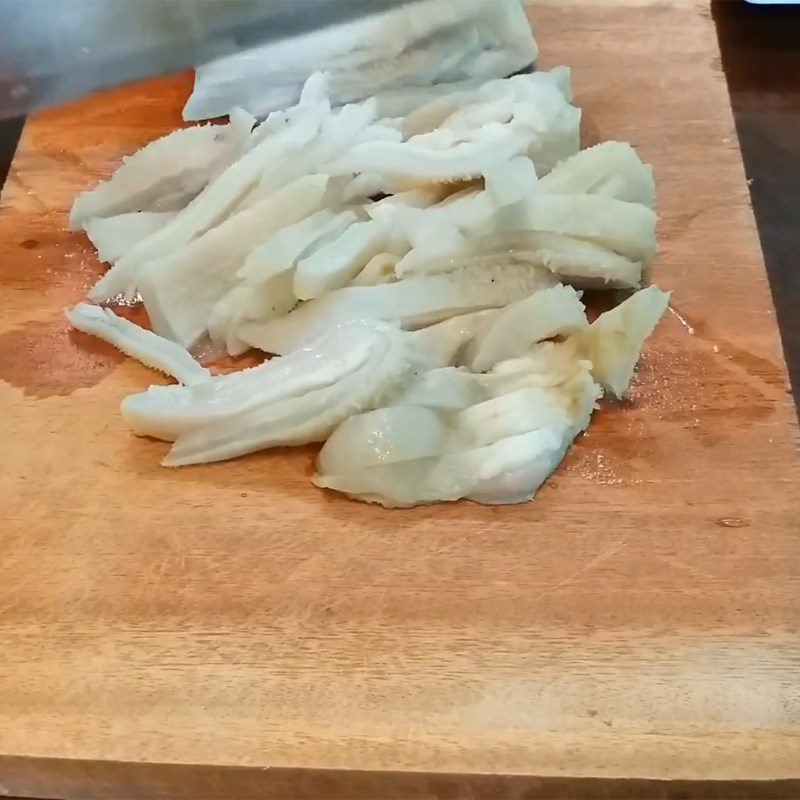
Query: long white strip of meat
(145, 346)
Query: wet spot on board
(758, 367)
(697, 391)
(56, 260)
(699, 388)
(78, 267)
(47, 359)
(611, 452)
(95, 172)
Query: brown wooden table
(767, 108)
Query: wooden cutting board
(640, 619)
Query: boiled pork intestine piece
(167, 173)
(292, 400)
(145, 346)
(497, 450)
(418, 277)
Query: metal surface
(54, 50)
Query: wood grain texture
(640, 619)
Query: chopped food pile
(417, 280)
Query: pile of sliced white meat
(417, 281)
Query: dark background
(761, 56)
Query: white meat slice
(245, 302)
(556, 311)
(547, 365)
(167, 412)
(379, 269)
(212, 205)
(446, 388)
(282, 249)
(386, 207)
(266, 287)
(286, 401)
(180, 290)
(610, 169)
(384, 436)
(413, 163)
(167, 173)
(509, 414)
(527, 115)
(511, 181)
(414, 303)
(583, 264)
(145, 346)
(614, 340)
(453, 109)
(402, 103)
(335, 264)
(625, 228)
(115, 236)
(498, 452)
(338, 130)
(440, 344)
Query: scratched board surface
(640, 618)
